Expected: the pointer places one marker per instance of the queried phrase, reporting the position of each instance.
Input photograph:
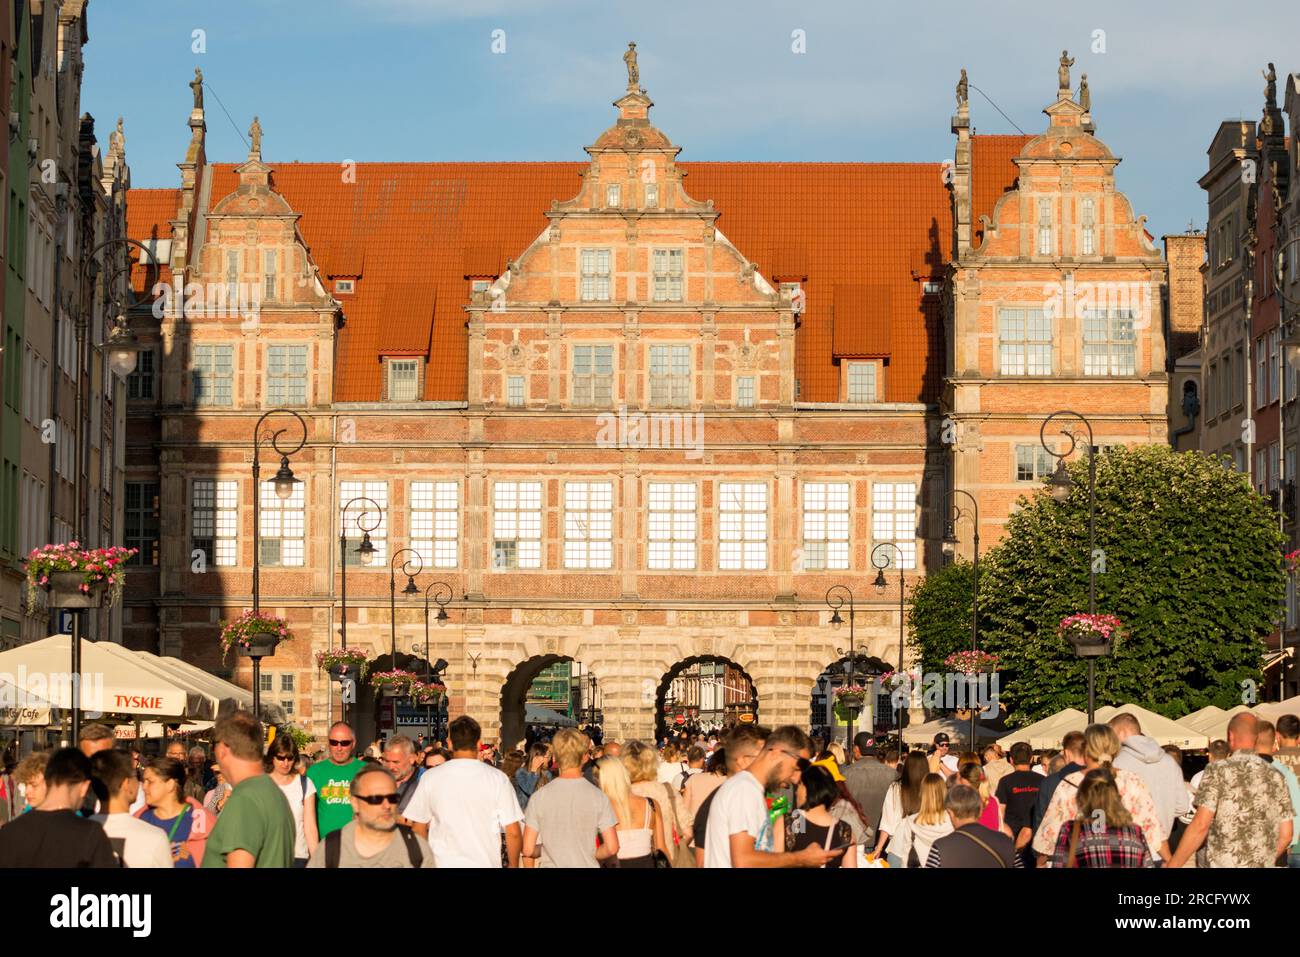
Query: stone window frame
(288, 377)
(672, 379)
(1030, 347)
(667, 274)
(815, 499)
(141, 523)
(378, 492)
(223, 505)
(864, 364)
(593, 274)
(389, 369)
(740, 534)
(498, 510)
(594, 377)
(886, 516)
(286, 514)
(441, 548)
(667, 534)
(206, 363)
(1031, 457)
(522, 397)
(746, 398)
(582, 542)
(1116, 347)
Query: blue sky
(412, 80)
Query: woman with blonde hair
(642, 763)
(1103, 834)
(640, 823)
(1100, 746)
(931, 822)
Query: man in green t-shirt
(333, 780)
(256, 827)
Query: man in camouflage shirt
(1243, 808)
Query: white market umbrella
(1275, 709)
(535, 714)
(1163, 730)
(1214, 726)
(110, 683)
(1048, 732)
(956, 729)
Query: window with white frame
(745, 391)
(670, 376)
(214, 521)
(1088, 218)
(286, 375)
(270, 273)
(595, 275)
(435, 523)
(140, 518)
(1033, 463)
(288, 692)
(652, 195)
(517, 525)
(593, 375)
(515, 391)
(1109, 342)
(862, 382)
(283, 533)
(139, 384)
(825, 526)
(352, 519)
(345, 287)
(403, 380)
(742, 526)
(212, 374)
(668, 275)
(613, 195)
(671, 526)
(1261, 374)
(1274, 464)
(1024, 342)
(232, 272)
(1044, 227)
(588, 524)
(1274, 364)
(893, 519)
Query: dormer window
(479, 286)
(403, 380)
(345, 286)
(932, 288)
(613, 195)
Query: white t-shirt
(669, 772)
(467, 804)
(737, 806)
(293, 794)
(146, 845)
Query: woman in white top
(902, 798)
(640, 822)
(282, 765)
(927, 825)
(642, 763)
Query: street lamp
(836, 596)
(284, 487)
(123, 348)
(1061, 484)
(365, 552)
(442, 597)
(410, 589)
(950, 549)
(881, 584)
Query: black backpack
(334, 847)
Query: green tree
(1189, 559)
(940, 614)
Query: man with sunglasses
(740, 829)
(374, 838)
(941, 760)
(333, 779)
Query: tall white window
(1274, 366)
(435, 523)
(588, 524)
(595, 275)
(893, 519)
(670, 376)
(212, 372)
(745, 391)
(1024, 342)
(283, 531)
(671, 526)
(232, 272)
(403, 380)
(515, 391)
(363, 515)
(286, 375)
(1088, 217)
(1109, 342)
(269, 273)
(1261, 374)
(652, 194)
(517, 525)
(668, 275)
(214, 521)
(593, 375)
(862, 382)
(1044, 227)
(825, 526)
(742, 526)
(613, 195)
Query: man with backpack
(373, 838)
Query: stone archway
(822, 719)
(739, 695)
(514, 694)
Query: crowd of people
(1111, 796)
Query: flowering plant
(1292, 560)
(97, 566)
(428, 692)
(899, 679)
(352, 659)
(395, 678)
(853, 692)
(243, 629)
(1092, 628)
(971, 662)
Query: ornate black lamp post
(410, 589)
(836, 596)
(1060, 484)
(441, 598)
(950, 549)
(881, 584)
(284, 487)
(366, 553)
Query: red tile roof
(992, 174)
(414, 233)
(149, 213)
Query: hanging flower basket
(1091, 636)
(253, 635)
(76, 577)
(393, 684)
(428, 692)
(1292, 560)
(971, 662)
(849, 701)
(342, 662)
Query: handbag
(659, 857)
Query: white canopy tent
(1213, 725)
(956, 729)
(1047, 732)
(535, 714)
(1163, 730)
(1275, 709)
(223, 696)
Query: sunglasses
(284, 757)
(374, 800)
(340, 744)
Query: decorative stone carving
(706, 619)
(1063, 72)
(551, 617)
(633, 73)
(962, 94)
